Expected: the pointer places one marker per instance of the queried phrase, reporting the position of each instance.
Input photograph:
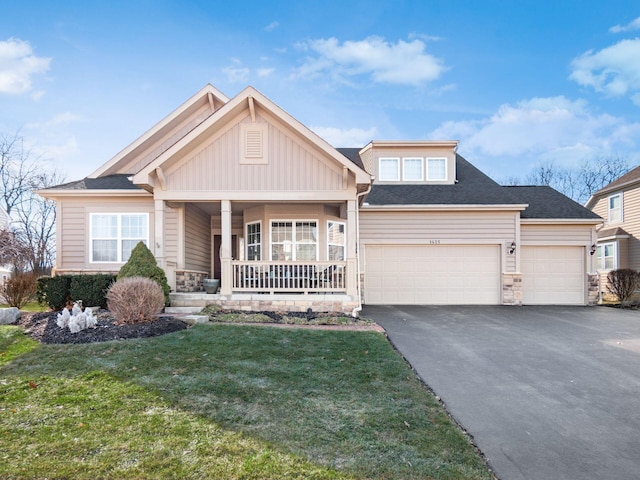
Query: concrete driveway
(546, 392)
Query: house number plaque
(434, 242)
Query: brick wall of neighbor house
(512, 289)
(190, 281)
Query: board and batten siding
(292, 165)
(469, 228)
(74, 236)
(197, 239)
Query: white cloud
(265, 72)
(614, 70)
(633, 25)
(403, 63)
(553, 128)
(272, 26)
(18, 65)
(55, 121)
(236, 74)
(350, 137)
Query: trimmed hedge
(58, 291)
(142, 263)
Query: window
(389, 169)
(412, 169)
(336, 241)
(297, 241)
(114, 235)
(254, 241)
(436, 169)
(615, 208)
(606, 256)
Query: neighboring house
(618, 238)
(5, 270)
(237, 189)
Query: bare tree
(577, 183)
(22, 173)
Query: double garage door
(470, 274)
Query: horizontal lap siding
(171, 234)
(197, 239)
(292, 165)
(556, 233)
(73, 252)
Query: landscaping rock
(9, 316)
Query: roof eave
(53, 193)
(444, 207)
(551, 221)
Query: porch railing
(299, 277)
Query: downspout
(356, 311)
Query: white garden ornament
(77, 320)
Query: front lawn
(224, 401)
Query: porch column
(158, 235)
(225, 248)
(352, 270)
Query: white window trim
(446, 169)
(344, 245)
(404, 177)
(397, 176)
(293, 235)
(601, 259)
(119, 234)
(609, 208)
(246, 236)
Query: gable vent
(253, 143)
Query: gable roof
(247, 99)
(629, 179)
(109, 182)
(206, 95)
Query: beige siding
(171, 226)
(292, 165)
(73, 252)
(551, 234)
(197, 239)
(440, 228)
(374, 155)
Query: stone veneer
(190, 281)
(593, 288)
(512, 289)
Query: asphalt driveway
(546, 392)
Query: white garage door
(552, 275)
(432, 274)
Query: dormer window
(412, 169)
(615, 208)
(436, 168)
(389, 169)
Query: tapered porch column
(225, 248)
(352, 270)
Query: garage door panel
(434, 274)
(553, 275)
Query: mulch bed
(43, 328)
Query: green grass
(30, 307)
(225, 401)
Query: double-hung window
(436, 168)
(615, 208)
(114, 235)
(336, 241)
(254, 241)
(294, 240)
(606, 256)
(389, 169)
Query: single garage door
(432, 274)
(552, 275)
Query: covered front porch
(267, 256)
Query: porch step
(196, 299)
(182, 310)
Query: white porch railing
(299, 277)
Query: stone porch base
(261, 302)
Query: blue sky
(517, 82)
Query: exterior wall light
(512, 248)
(593, 249)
